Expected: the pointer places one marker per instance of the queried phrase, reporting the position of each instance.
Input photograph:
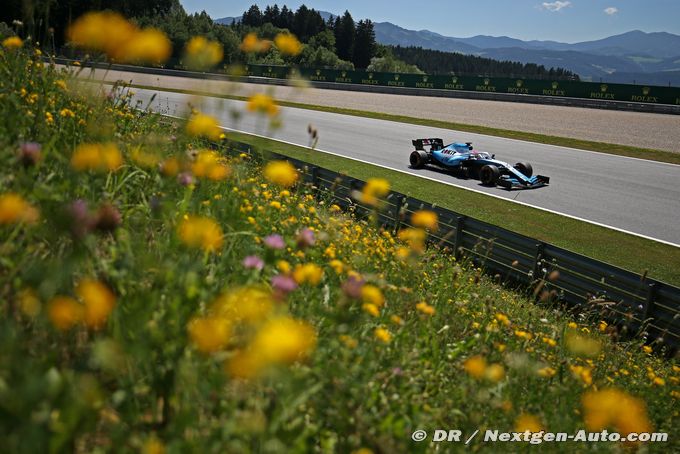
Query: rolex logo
(370, 75)
(454, 80)
(604, 88)
(396, 77)
(318, 72)
(344, 74)
(424, 78)
(519, 83)
(486, 81)
(555, 85)
(269, 69)
(645, 91)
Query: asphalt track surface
(634, 195)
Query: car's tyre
(524, 168)
(489, 175)
(418, 159)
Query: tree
(364, 44)
(345, 32)
(271, 15)
(252, 17)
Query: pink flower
(352, 287)
(253, 262)
(283, 284)
(305, 238)
(274, 242)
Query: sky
(558, 20)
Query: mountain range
(632, 57)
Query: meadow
(159, 293)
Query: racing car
(462, 159)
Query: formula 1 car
(464, 161)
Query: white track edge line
(668, 243)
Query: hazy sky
(559, 20)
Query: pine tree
(364, 44)
(345, 32)
(252, 17)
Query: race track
(639, 196)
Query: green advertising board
(516, 86)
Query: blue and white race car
(462, 160)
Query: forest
(338, 42)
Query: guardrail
(637, 98)
(634, 304)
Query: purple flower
(352, 287)
(305, 238)
(253, 262)
(30, 153)
(185, 179)
(274, 242)
(283, 284)
(80, 220)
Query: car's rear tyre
(524, 168)
(489, 175)
(418, 159)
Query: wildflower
(582, 373)
(475, 366)
(153, 446)
(337, 266)
(383, 335)
(253, 262)
(305, 238)
(144, 158)
(582, 345)
(275, 204)
(209, 334)
(201, 125)
(372, 294)
(13, 42)
(348, 341)
(66, 113)
(30, 153)
(107, 218)
(371, 309)
(352, 287)
(288, 44)
(201, 53)
(60, 84)
(283, 285)
(98, 300)
(208, 165)
(308, 273)
(549, 341)
(14, 209)
(201, 232)
(397, 320)
(170, 167)
(647, 349)
(264, 104)
(64, 312)
(526, 422)
(283, 266)
(425, 308)
(614, 408)
(523, 334)
(96, 156)
(494, 373)
(274, 241)
(283, 340)
(546, 372)
(425, 219)
(281, 173)
(251, 43)
(415, 238)
(149, 45)
(29, 303)
(247, 304)
(374, 189)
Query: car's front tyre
(489, 175)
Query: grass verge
(620, 249)
(601, 147)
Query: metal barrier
(637, 98)
(633, 303)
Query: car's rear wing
(434, 144)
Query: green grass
(602, 147)
(626, 251)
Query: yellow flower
(337, 266)
(475, 366)
(383, 335)
(275, 204)
(64, 312)
(248, 304)
(251, 43)
(372, 295)
(208, 165)
(308, 273)
(284, 340)
(283, 266)
(546, 372)
(397, 320)
(647, 349)
(201, 53)
(153, 446)
(523, 334)
(66, 113)
(371, 309)
(201, 125)
(209, 334)
(374, 189)
(494, 373)
(144, 158)
(14, 209)
(425, 308)
(425, 219)
(148, 45)
(200, 232)
(282, 173)
(13, 42)
(264, 104)
(583, 373)
(528, 422)
(582, 345)
(614, 408)
(96, 156)
(288, 44)
(348, 341)
(170, 167)
(549, 341)
(99, 301)
(29, 303)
